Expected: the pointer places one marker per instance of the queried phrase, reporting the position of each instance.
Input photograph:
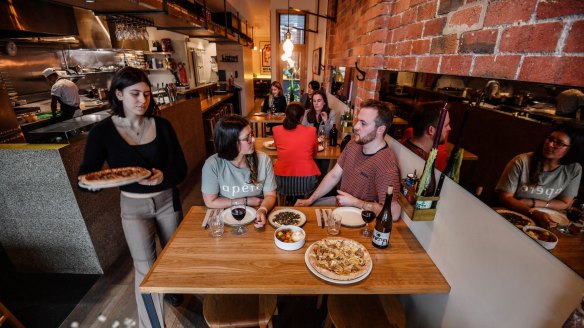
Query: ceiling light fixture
(288, 46)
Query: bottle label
(380, 239)
(423, 205)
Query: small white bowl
(546, 244)
(293, 245)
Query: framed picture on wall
(316, 54)
(266, 51)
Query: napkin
(207, 216)
(318, 218)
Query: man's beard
(366, 138)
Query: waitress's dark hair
(575, 152)
(311, 115)
(124, 78)
(226, 138)
(294, 114)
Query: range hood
(24, 19)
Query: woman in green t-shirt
(237, 173)
(547, 178)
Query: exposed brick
(391, 49)
(558, 8)
(502, 67)
(444, 44)
(574, 41)
(478, 42)
(383, 8)
(557, 70)
(409, 64)
(420, 47)
(426, 11)
(414, 31)
(428, 64)
(392, 63)
(374, 61)
(377, 23)
(469, 16)
(456, 65)
(409, 16)
(447, 6)
(508, 11)
(399, 34)
(400, 6)
(378, 48)
(531, 38)
(434, 27)
(404, 48)
(377, 36)
(393, 22)
(370, 85)
(413, 3)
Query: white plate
(320, 148)
(279, 114)
(269, 145)
(351, 216)
(556, 216)
(335, 281)
(260, 114)
(250, 215)
(272, 216)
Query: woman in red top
(295, 170)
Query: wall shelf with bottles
(158, 53)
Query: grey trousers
(142, 219)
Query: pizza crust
(115, 176)
(339, 258)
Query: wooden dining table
(193, 262)
(330, 152)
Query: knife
(323, 217)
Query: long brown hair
(124, 78)
(311, 115)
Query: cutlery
(324, 216)
(318, 217)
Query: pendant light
(288, 46)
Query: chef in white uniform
(64, 92)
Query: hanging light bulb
(285, 57)
(288, 46)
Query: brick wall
(528, 40)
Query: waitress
(63, 91)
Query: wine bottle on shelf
(333, 134)
(383, 223)
(428, 191)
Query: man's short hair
(384, 112)
(424, 115)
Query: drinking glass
(333, 224)
(216, 226)
(367, 215)
(322, 136)
(238, 211)
(564, 228)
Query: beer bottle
(383, 223)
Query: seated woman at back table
(320, 114)
(296, 172)
(546, 178)
(237, 172)
(275, 100)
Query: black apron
(67, 111)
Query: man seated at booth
(424, 125)
(366, 167)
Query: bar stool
(239, 310)
(8, 317)
(364, 311)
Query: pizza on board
(116, 176)
(339, 258)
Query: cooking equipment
(102, 94)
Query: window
(297, 26)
